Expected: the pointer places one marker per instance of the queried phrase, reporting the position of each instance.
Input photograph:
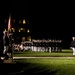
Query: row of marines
(44, 45)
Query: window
(24, 21)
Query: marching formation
(47, 45)
(39, 45)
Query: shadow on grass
(24, 69)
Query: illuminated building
(20, 28)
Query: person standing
(6, 44)
(72, 45)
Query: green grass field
(43, 66)
(65, 52)
(46, 66)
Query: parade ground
(44, 63)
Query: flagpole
(10, 38)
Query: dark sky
(55, 18)
(48, 19)
(17, 8)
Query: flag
(9, 23)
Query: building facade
(20, 29)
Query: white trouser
(5, 49)
(73, 51)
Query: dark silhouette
(73, 45)
(6, 43)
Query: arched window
(24, 21)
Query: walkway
(10, 60)
(39, 57)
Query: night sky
(18, 9)
(47, 19)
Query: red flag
(9, 23)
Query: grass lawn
(48, 66)
(65, 52)
(42, 66)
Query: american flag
(9, 23)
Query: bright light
(24, 22)
(28, 30)
(21, 28)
